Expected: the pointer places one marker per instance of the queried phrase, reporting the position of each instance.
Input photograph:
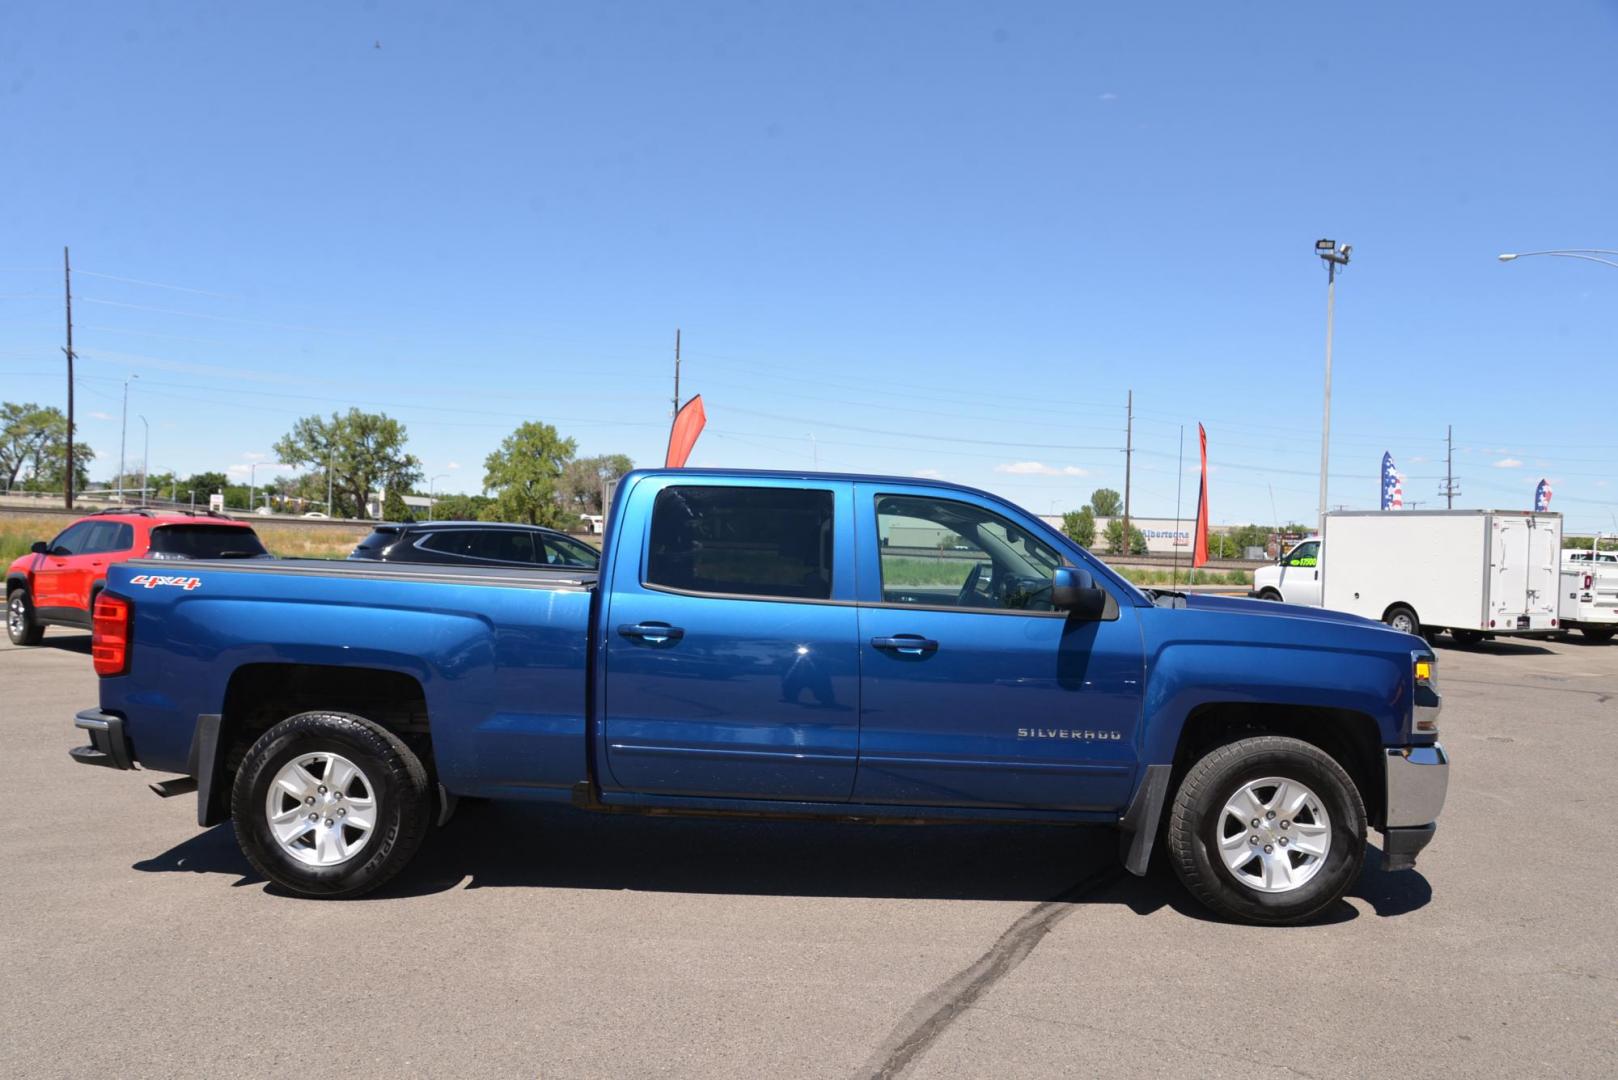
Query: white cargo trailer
(1475, 573)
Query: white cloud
(1417, 459)
(101, 416)
(237, 470)
(253, 455)
(928, 474)
(1108, 96)
(1039, 468)
(452, 466)
(1508, 463)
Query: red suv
(56, 584)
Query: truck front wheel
(1267, 829)
(329, 804)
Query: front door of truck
(1300, 574)
(57, 572)
(731, 649)
(974, 692)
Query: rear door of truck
(730, 649)
(1524, 571)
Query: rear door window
(742, 541)
(206, 542)
(562, 551)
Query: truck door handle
(653, 633)
(907, 644)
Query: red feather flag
(1199, 553)
(688, 424)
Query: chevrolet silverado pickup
(849, 647)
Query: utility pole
(1333, 256)
(676, 371)
(67, 286)
(1449, 490)
(1129, 453)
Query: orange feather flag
(688, 424)
(1199, 553)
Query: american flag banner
(1393, 490)
(1542, 497)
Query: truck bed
(498, 657)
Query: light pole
(145, 449)
(252, 479)
(430, 482)
(1587, 254)
(123, 432)
(1333, 256)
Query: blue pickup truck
(849, 647)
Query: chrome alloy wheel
(16, 616)
(1274, 834)
(1403, 623)
(321, 808)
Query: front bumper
(1417, 781)
(108, 747)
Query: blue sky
(940, 238)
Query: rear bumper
(108, 747)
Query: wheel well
(1401, 604)
(262, 695)
(1351, 738)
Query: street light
(430, 482)
(123, 431)
(146, 449)
(252, 479)
(1587, 254)
(1334, 256)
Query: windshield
(206, 542)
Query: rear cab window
(768, 542)
(371, 547)
(205, 542)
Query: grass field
(902, 570)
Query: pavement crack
(919, 1028)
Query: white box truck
(1589, 596)
(1475, 573)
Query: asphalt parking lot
(545, 942)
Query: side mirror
(1074, 590)
(40, 547)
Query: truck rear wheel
(329, 804)
(1267, 829)
(1599, 633)
(1403, 619)
(1467, 637)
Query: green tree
(525, 476)
(1115, 538)
(33, 449)
(1080, 526)
(584, 479)
(1106, 502)
(366, 452)
(460, 507)
(393, 506)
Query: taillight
(1589, 580)
(109, 636)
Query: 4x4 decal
(152, 581)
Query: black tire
(1402, 614)
(21, 625)
(1196, 820)
(403, 803)
(1270, 594)
(1599, 633)
(1467, 637)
